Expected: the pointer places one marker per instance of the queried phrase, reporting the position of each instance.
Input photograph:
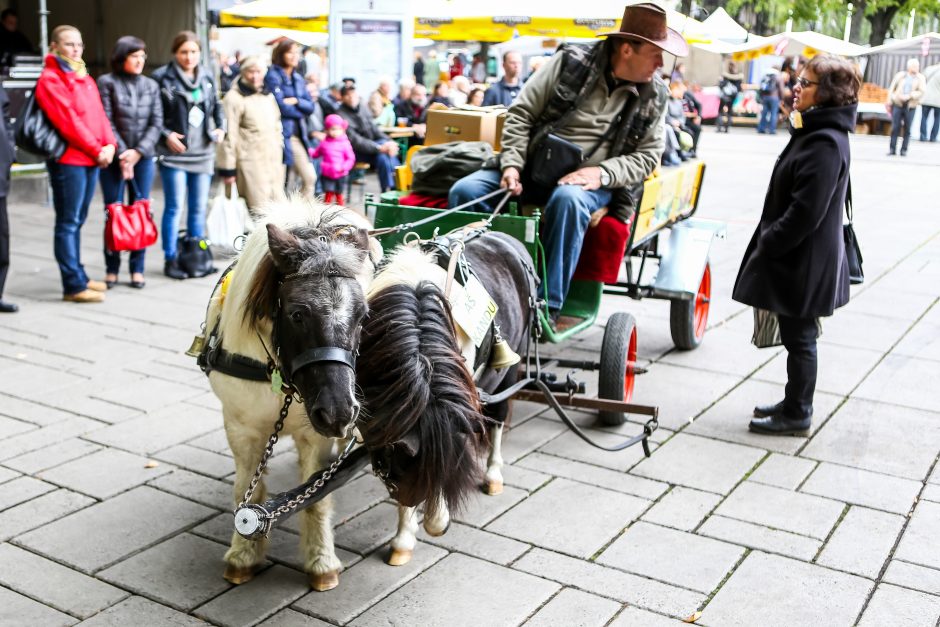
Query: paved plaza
(115, 475)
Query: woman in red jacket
(69, 97)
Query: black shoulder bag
(34, 132)
(852, 251)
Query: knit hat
(335, 120)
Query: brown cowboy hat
(647, 22)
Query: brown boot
(97, 286)
(85, 296)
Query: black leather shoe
(172, 269)
(778, 425)
(8, 307)
(763, 411)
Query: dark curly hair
(839, 80)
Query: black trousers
(4, 244)
(799, 338)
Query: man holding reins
(596, 109)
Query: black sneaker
(172, 269)
(8, 307)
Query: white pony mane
(296, 212)
(407, 265)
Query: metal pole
(848, 22)
(43, 27)
(910, 25)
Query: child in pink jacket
(338, 158)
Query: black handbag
(34, 132)
(852, 251)
(194, 256)
(554, 158)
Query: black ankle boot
(780, 425)
(172, 269)
(764, 411)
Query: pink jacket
(338, 156)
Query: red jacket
(74, 108)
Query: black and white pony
(422, 416)
(299, 284)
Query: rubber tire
(682, 316)
(614, 348)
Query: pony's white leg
(244, 556)
(437, 518)
(493, 481)
(316, 526)
(403, 544)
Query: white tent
(721, 26)
(802, 43)
(886, 60)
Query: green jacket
(570, 97)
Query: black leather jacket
(176, 103)
(132, 104)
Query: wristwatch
(605, 178)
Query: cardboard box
(453, 125)
(500, 120)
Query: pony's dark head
(422, 418)
(309, 286)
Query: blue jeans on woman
(73, 187)
(179, 187)
(925, 112)
(770, 108)
(115, 189)
(566, 216)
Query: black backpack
(194, 256)
(768, 84)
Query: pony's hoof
(239, 574)
(493, 488)
(400, 557)
(324, 582)
(435, 533)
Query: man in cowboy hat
(605, 98)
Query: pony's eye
(297, 317)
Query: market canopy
(803, 43)
(720, 25)
(302, 15)
(886, 60)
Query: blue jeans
(180, 186)
(566, 216)
(385, 168)
(770, 107)
(72, 189)
(115, 189)
(901, 116)
(925, 111)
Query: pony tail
(415, 380)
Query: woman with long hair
(193, 122)
(795, 265)
(132, 103)
(69, 98)
(289, 89)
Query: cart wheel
(688, 318)
(618, 365)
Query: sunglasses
(802, 82)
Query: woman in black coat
(795, 264)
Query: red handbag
(129, 227)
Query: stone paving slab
(108, 531)
(862, 542)
(46, 436)
(580, 531)
(104, 473)
(700, 463)
(40, 511)
(675, 557)
(525, 478)
(782, 509)
(290, 618)
(518, 441)
(791, 593)
(365, 584)
(198, 460)
(269, 592)
(861, 487)
(903, 380)
(883, 300)
(635, 617)
(575, 609)
(759, 537)
(570, 446)
(209, 492)
(16, 609)
(135, 609)
(841, 368)
(893, 605)
(477, 543)
(462, 591)
(923, 340)
(183, 572)
(51, 456)
(907, 443)
(611, 583)
(913, 576)
(159, 430)
(699, 390)
(481, 509)
(592, 475)
(682, 508)
(22, 489)
(919, 543)
(29, 411)
(783, 471)
(55, 585)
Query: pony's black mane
(414, 381)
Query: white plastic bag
(228, 216)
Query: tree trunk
(685, 7)
(858, 19)
(880, 23)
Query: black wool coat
(795, 264)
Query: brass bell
(195, 349)
(503, 356)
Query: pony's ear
(284, 247)
(410, 443)
(357, 237)
(259, 303)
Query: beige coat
(253, 148)
(896, 90)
